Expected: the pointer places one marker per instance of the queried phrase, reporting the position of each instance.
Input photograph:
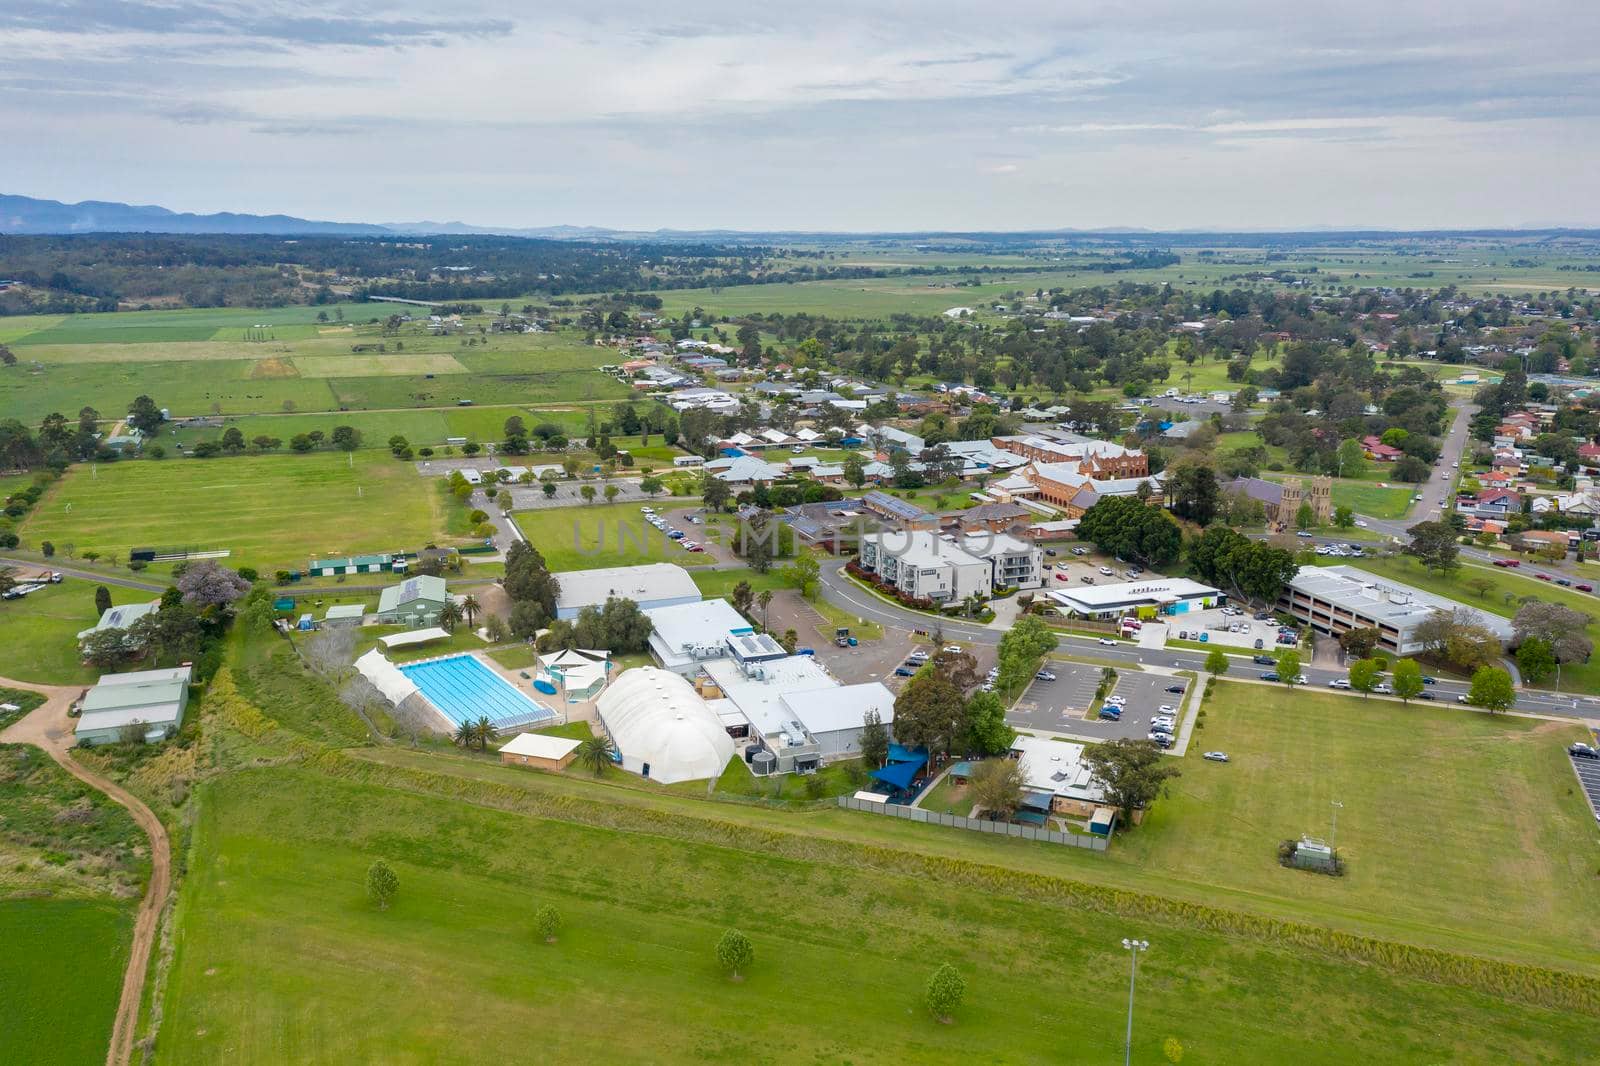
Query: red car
(1062, 575)
(1508, 562)
(1584, 588)
(1542, 577)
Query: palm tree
(596, 753)
(449, 616)
(470, 607)
(764, 599)
(484, 731)
(465, 734)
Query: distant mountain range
(27, 215)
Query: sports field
(282, 959)
(39, 633)
(269, 511)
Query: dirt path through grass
(48, 727)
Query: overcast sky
(822, 115)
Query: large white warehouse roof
(662, 728)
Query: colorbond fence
(975, 825)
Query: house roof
(423, 587)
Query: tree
(650, 486)
(1305, 517)
(1559, 626)
(946, 989)
(1481, 585)
(1407, 679)
(743, 597)
(1217, 662)
(208, 583)
(548, 921)
(587, 492)
(1132, 772)
(1125, 527)
(804, 573)
(1192, 488)
(1364, 676)
(106, 649)
(855, 470)
(232, 440)
(449, 615)
(1344, 517)
(1352, 459)
(345, 438)
(1289, 667)
(765, 599)
(145, 416)
(714, 493)
(1434, 543)
(929, 712)
(874, 738)
(1492, 689)
(987, 731)
(102, 599)
(1360, 641)
(596, 753)
(735, 953)
(382, 884)
(470, 609)
(997, 785)
(1536, 659)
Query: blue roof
(898, 774)
(900, 753)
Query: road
(86, 575)
(49, 728)
(840, 591)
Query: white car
(1215, 756)
(1167, 708)
(1105, 571)
(1163, 723)
(1108, 642)
(952, 649)
(1338, 683)
(1117, 701)
(1361, 523)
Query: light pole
(1333, 837)
(1134, 947)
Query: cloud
(827, 115)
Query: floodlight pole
(1333, 837)
(1134, 947)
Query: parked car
(1111, 714)
(1105, 571)
(1062, 575)
(1215, 756)
(1583, 751)
(1260, 644)
(1338, 682)
(1166, 708)
(1161, 740)
(1270, 675)
(1175, 688)
(1304, 534)
(1543, 577)
(952, 649)
(1086, 579)
(1050, 552)
(904, 671)
(1080, 551)
(1044, 675)
(1584, 587)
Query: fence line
(974, 825)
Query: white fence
(975, 825)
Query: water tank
(763, 763)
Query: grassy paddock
(39, 633)
(61, 972)
(276, 884)
(270, 511)
(587, 537)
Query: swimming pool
(465, 690)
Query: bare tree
(330, 650)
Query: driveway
(49, 728)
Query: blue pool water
(466, 690)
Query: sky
(852, 116)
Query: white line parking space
(1588, 771)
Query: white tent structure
(662, 728)
(385, 677)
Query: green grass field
(1456, 826)
(270, 511)
(588, 537)
(61, 975)
(1575, 677)
(39, 633)
(281, 958)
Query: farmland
(277, 875)
(62, 972)
(269, 511)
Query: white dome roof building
(662, 728)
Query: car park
(1080, 551)
(1044, 675)
(1105, 571)
(1215, 756)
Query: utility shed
(153, 699)
(539, 750)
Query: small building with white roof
(147, 703)
(539, 750)
(1166, 595)
(1057, 769)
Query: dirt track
(48, 727)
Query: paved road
(842, 592)
(48, 727)
(86, 575)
